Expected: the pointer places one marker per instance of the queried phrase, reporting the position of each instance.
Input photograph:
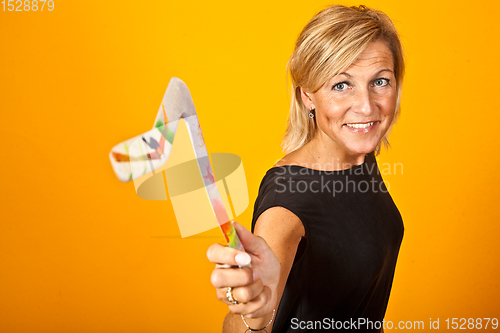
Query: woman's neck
(330, 156)
(323, 154)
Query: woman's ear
(306, 99)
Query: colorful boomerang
(147, 152)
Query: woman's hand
(253, 287)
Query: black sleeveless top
(343, 269)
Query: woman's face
(355, 109)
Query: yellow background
(80, 252)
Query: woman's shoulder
(275, 197)
(294, 166)
(294, 158)
(289, 165)
(280, 167)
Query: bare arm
(277, 235)
(283, 231)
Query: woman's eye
(340, 86)
(381, 82)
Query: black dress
(343, 270)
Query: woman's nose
(363, 102)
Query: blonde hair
(327, 45)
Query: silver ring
(229, 295)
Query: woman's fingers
(252, 244)
(232, 277)
(252, 299)
(224, 255)
(251, 286)
(253, 308)
(243, 294)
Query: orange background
(80, 252)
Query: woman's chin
(362, 148)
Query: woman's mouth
(360, 127)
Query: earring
(311, 113)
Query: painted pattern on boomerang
(149, 151)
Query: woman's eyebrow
(344, 73)
(376, 74)
(384, 70)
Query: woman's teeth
(360, 125)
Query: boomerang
(147, 152)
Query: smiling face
(355, 109)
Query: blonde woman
(326, 233)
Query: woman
(326, 231)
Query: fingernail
(242, 259)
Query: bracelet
(260, 329)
